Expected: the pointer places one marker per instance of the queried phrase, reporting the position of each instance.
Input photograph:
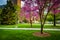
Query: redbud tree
(49, 5)
(42, 6)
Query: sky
(22, 3)
(3, 2)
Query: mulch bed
(38, 34)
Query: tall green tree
(8, 15)
(0, 15)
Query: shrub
(25, 21)
(9, 15)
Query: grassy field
(37, 26)
(26, 35)
(7, 26)
(28, 26)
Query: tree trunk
(31, 23)
(41, 24)
(54, 20)
(31, 19)
(41, 29)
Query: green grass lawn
(36, 26)
(26, 35)
(7, 26)
(25, 25)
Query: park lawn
(27, 35)
(25, 25)
(37, 26)
(7, 26)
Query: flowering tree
(30, 9)
(43, 5)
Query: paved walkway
(29, 29)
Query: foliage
(17, 7)
(0, 10)
(0, 15)
(50, 17)
(8, 15)
(58, 16)
(25, 21)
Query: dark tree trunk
(31, 23)
(41, 23)
(31, 19)
(54, 20)
(41, 29)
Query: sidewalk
(29, 29)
